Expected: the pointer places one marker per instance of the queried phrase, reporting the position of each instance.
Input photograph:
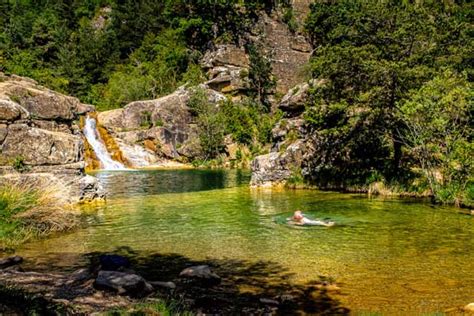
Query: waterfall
(93, 138)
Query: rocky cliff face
(40, 138)
(227, 65)
(291, 143)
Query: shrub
(19, 164)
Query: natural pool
(387, 255)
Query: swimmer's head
(298, 215)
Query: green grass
(27, 211)
(159, 307)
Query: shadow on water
(151, 182)
(244, 289)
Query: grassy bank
(27, 212)
(416, 189)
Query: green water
(390, 256)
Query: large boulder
(36, 146)
(149, 131)
(40, 143)
(39, 102)
(274, 169)
(123, 283)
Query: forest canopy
(398, 94)
(111, 52)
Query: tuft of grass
(19, 164)
(29, 210)
(157, 307)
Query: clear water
(390, 256)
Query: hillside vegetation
(395, 108)
(398, 102)
(109, 52)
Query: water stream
(392, 256)
(97, 144)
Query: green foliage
(371, 56)
(109, 52)
(290, 20)
(243, 121)
(14, 201)
(145, 120)
(210, 122)
(261, 79)
(438, 130)
(19, 164)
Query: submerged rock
(123, 283)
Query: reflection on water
(133, 183)
(388, 255)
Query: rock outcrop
(228, 65)
(152, 131)
(40, 140)
(290, 145)
(294, 102)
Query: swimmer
(299, 219)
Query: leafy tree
(439, 133)
(371, 55)
(210, 122)
(261, 79)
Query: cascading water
(93, 137)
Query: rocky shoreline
(115, 282)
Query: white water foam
(93, 137)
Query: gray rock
(41, 147)
(123, 283)
(224, 55)
(275, 168)
(10, 110)
(3, 132)
(201, 273)
(293, 103)
(10, 261)
(269, 301)
(79, 276)
(90, 189)
(167, 285)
